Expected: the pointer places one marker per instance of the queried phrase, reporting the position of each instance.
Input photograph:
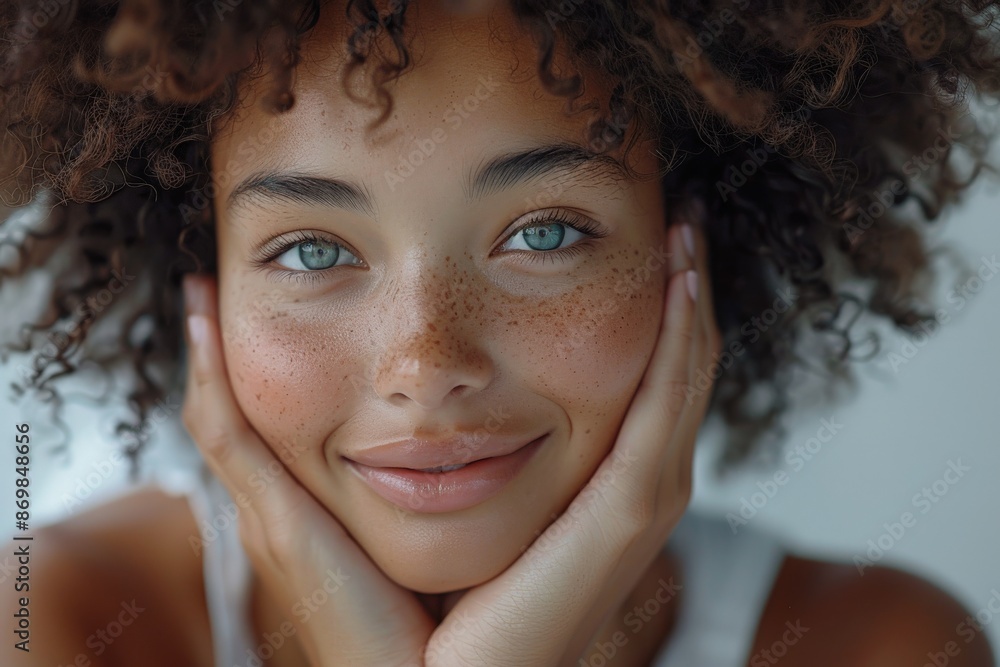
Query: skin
(466, 332)
(288, 348)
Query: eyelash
(273, 249)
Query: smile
(446, 488)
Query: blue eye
(312, 255)
(546, 233)
(306, 253)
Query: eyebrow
(502, 172)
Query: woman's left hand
(547, 607)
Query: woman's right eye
(313, 255)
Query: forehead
(473, 78)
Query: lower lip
(450, 491)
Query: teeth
(444, 468)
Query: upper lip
(420, 453)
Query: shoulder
(880, 616)
(105, 586)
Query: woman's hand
(297, 547)
(546, 608)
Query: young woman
(460, 283)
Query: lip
(417, 453)
(415, 490)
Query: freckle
(587, 431)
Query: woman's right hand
(293, 542)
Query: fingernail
(197, 329)
(692, 283)
(688, 237)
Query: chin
(445, 552)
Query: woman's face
(392, 297)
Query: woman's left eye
(546, 235)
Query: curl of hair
(107, 108)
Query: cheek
(287, 373)
(587, 350)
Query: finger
(228, 443)
(702, 262)
(686, 238)
(660, 399)
(704, 369)
(681, 240)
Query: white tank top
(725, 584)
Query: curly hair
(800, 130)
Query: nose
(434, 357)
